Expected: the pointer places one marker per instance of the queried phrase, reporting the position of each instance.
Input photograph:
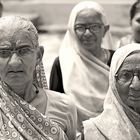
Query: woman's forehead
(132, 61)
(133, 57)
(89, 15)
(88, 12)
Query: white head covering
(107, 40)
(118, 121)
(85, 77)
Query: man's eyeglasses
(5, 53)
(92, 28)
(127, 76)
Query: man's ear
(106, 28)
(40, 52)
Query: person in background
(135, 26)
(81, 70)
(28, 110)
(120, 119)
(1, 9)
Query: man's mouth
(14, 72)
(88, 42)
(134, 97)
(19, 71)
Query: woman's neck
(100, 54)
(26, 91)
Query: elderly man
(27, 111)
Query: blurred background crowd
(51, 17)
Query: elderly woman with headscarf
(120, 119)
(27, 111)
(83, 59)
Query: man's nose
(87, 32)
(14, 60)
(135, 84)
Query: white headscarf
(107, 40)
(114, 123)
(85, 77)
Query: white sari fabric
(118, 121)
(85, 77)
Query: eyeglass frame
(133, 73)
(17, 51)
(85, 27)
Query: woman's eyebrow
(23, 46)
(5, 46)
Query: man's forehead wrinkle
(5, 38)
(11, 34)
(26, 33)
(10, 26)
(5, 44)
(7, 33)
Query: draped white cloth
(85, 77)
(114, 123)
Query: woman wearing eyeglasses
(29, 111)
(120, 119)
(81, 70)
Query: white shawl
(113, 123)
(85, 77)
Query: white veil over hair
(85, 77)
(117, 121)
(107, 40)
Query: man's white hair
(9, 25)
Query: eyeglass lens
(92, 28)
(21, 52)
(127, 75)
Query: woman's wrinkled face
(128, 81)
(135, 24)
(17, 58)
(89, 29)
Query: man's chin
(88, 43)
(15, 82)
(135, 105)
(88, 46)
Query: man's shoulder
(62, 110)
(60, 99)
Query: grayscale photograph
(69, 70)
